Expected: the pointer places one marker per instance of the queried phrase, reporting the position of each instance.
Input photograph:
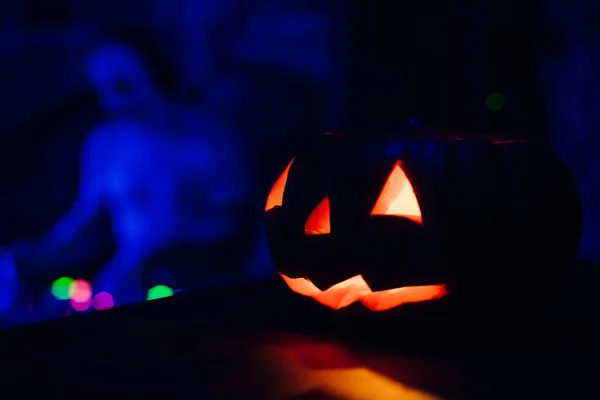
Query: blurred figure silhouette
(172, 180)
(569, 71)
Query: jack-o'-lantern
(391, 221)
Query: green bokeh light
(495, 101)
(159, 292)
(60, 288)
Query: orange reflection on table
(283, 366)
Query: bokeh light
(80, 291)
(159, 292)
(81, 305)
(495, 101)
(60, 288)
(103, 301)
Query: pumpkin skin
(499, 219)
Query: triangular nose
(398, 197)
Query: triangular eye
(318, 220)
(276, 194)
(398, 197)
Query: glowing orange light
(338, 296)
(318, 220)
(276, 195)
(398, 197)
(391, 298)
(356, 289)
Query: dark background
(300, 68)
(285, 70)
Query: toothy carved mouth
(356, 288)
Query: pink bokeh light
(80, 291)
(103, 301)
(81, 306)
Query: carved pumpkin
(386, 222)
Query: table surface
(260, 341)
